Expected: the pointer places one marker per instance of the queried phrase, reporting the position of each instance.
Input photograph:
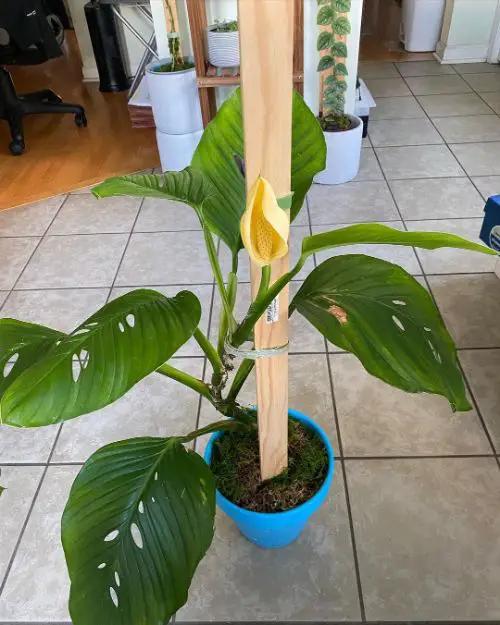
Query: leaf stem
(240, 378)
(188, 380)
(218, 426)
(212, 355)
(214, 262)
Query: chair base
(14, 107)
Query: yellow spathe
(265, 226)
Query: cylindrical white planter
(223, 48)
(175, 100)
(176, 151)
(343, 154)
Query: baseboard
(90, 73)
(461, 54)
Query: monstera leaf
(380, 313)
(221, 149)
(59, 377)
(139, 518)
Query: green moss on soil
(236, 466)
(167, 67)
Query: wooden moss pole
(266, 36)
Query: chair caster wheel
(81, 120)
(16, 147)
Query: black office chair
(31, 41)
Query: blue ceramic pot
(272, 530)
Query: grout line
(346, 491)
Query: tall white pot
(175, 100)
(176, 151)
(343, 154)
(223, 48)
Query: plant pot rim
(309, 506)
(150, 67)
(354, 118)
(212, 26)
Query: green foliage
(380, 313)
(339, 49)
(98, 362)
(325, 15)
(325, 62)
(341, 26)
(343, 6)
(228, 26)
(325, 40)
(335, 102)
(139, 518)
(340, 69)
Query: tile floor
(411, 530)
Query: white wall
(134, 48)
(467, 31)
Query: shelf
(230, 80)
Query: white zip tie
(251, 353)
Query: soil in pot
(335, 122)
(236, 466)
(225, 27)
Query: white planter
(175, 100)
(176, 151)
(223, 48)
(343, 154)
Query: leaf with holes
(325, 62)
(339, 49)
(325, 15)
(380, 313)
(221, 150)
(102, 359)
(325, 40)
(21, 344)
(342, 26)
(378, 234)
(139, 518)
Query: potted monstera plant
(173, 92)
(140, 514)
(343, 132)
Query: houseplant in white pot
(140, 515)
(176, 105)
(343, 132)
(223, 43)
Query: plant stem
(188, 380)
(240, 378)
(212, 355)
(214, 262)
(232, 289)
(218, 426)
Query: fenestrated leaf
(325, 40)
(139, 518)
(380, 313)
(342, 26)
(379, 234)
(325, 62)
(325, 15)
(188, 186)
(102, 359)
(21, 344)
(222, 147)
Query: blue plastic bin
(490, 232)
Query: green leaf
(325, 40)
(102, 359)
(139, 519)
(379, 234)
(285, 202)
(222, 141)
(325, 15)
(380, 313)
(21, 344)
(330, 80)
(342, 26)
(343, 6)
(335, 102)
(325, 62)
(341, 69)
(339, 87)
(339, 49)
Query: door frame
(494, 46)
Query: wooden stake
(266, 39)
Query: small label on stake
(273, 311)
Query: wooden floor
(59, 156)
(372, 48)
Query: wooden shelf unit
(198, 24)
